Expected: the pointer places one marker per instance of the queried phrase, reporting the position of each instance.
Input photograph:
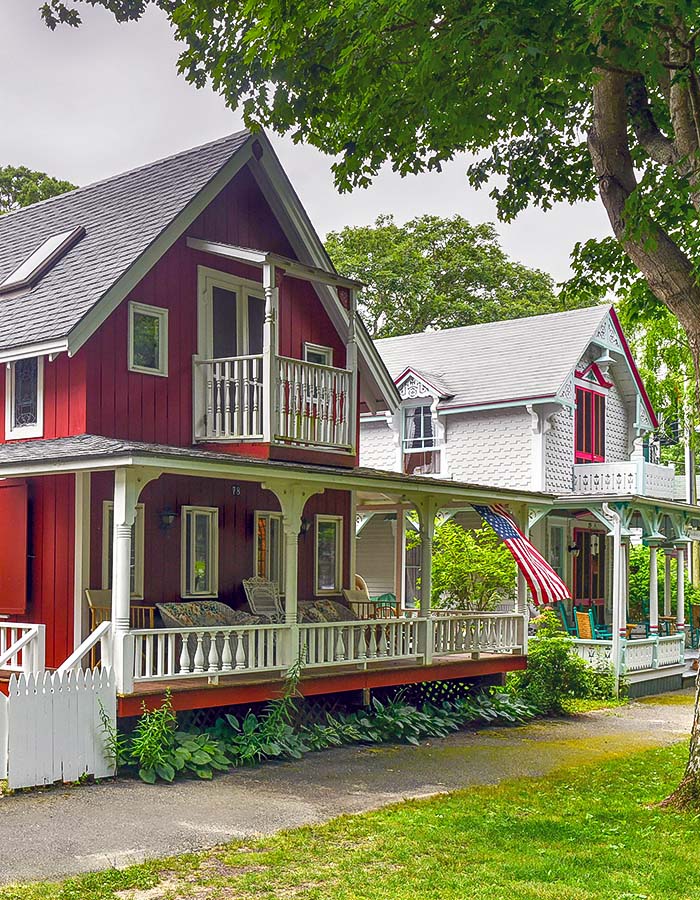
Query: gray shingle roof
(122, 217)
(498, 361)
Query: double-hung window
(148, 339)
(590, 426)
(329, 555)
(24, 398)
(200, 551)
(137, 549)
(269, 548)
(421, 455)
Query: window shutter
(13, 547)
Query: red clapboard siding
(51, 550)
(236, 538)
(151, 408)
(13, 547)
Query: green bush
(639, 585)
(555, 673)
(471, 569)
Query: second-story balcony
(637, 477)
(288, 401)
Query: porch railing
(331, 643)
(625, 478)
(637, 655)
(306, 403)
(313, 403)
(22, 647)
(478, 633)
(166, 653)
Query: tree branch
(659, 147)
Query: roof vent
(41, 260)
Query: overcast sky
(88, 103)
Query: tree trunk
(670, 277)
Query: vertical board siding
(51, 549)
(152, 408)
(236, 532)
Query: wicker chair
(263, 598)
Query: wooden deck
(199, 693)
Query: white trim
(133, 275)
(161, 314)
(13, 432)
(81, 559)
(138, 543)
(44, 349)
(278, 517)
(188, 551)
(338, 521)
(244, 288)
(321, 349)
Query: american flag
(544, 583)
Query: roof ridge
(155, 162)
(561, 312)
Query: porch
(159, 527)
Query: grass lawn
(585, 833)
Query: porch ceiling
(88, 452)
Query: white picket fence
(50, 727)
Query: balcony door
(231, 314)
(237, 317)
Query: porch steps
(197, 693)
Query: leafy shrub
(555, 673)
(639, 584)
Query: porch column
(653, 592)
(667, 581)
(128, 484)
(618, 600)
(399, 555)
(269, 350)
(680, 589)
(351, 365)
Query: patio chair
(586, 627)
(264, 598)
(694, 626)
(100, 610)
(385, 606)
(359, 603)
(560, 609)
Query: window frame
(139, 543)
(320, 349)
(338, 589)
(597, 433)
(435, 448)
(213, 513)
(156, 312)
(15, 432)
(278, 517)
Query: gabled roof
(514, 361)
(122, 217)
(130, 220)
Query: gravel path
(64, 831)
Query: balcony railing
(624, 478)
(298, 402)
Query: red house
(184, 372)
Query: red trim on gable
(600, 378)
(633, 367)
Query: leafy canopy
(20, 186)
(438, 273)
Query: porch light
(305, 525)
(167, 518)
(574, 549)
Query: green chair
(694, 626)
(560, 609)
(384, 606)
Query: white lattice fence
(50, 727)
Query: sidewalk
(64, 831)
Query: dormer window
(421, 455)
(589, 439)
(24, 398)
